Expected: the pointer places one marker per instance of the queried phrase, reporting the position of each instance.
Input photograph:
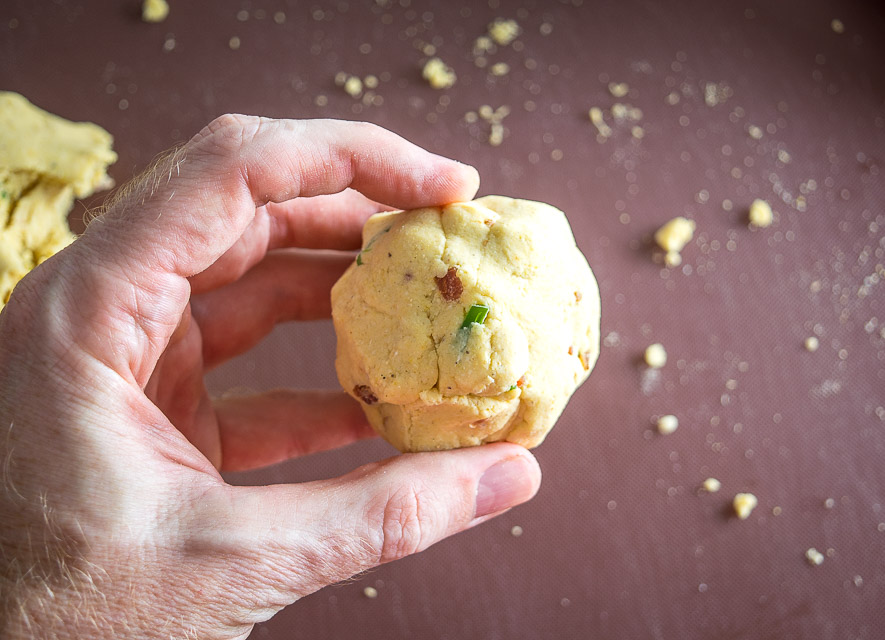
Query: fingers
(322, 222)
(377, 513)
(193, 207)
(264, 429)
(286, 285)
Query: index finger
(193, 208)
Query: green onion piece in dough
(476, 313)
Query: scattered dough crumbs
(438, 75)
(516, 531)
(814, 557)
(711, 485)
(503, 32)
(370, 592)
(744, 503)
(812, 343)
(668, 424)
(45, 162)
(655, 355)
(673, 237)
(761, 214)
(154, 10)
(495, 118)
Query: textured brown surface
(618, 543)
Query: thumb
(314, 534)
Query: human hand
(114, 520)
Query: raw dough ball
(428, 378)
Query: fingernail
(503, 485)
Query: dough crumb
(744, 503)
(776, 511)
(711, 485)
(516, 531)
(837, 25)
(438, 74)
(814, 557)
(353, 87)
(829, 503)
(668, 424)
(655, 355)
(761, 214)
(618, 89)
(500, 69)
(812, 344)
(234, 43)
(598, 121)
(672, 238)
(672, 259)
(370, 592)
(503, 32)
(154, 10)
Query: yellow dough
(429, 380)
(45, 162)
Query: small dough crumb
(673, 259)
(370, 592)
(711, 485)
(655, 355)
(516, 531)
(353, 86)
(618, 89)
(837, 25)
(829, 503)
(814, 557)
(761, 214)
(599, 122)
(503, 32)
(500, 69)
(438, 74)
(811, 343)
(776, 511)
(234, 43)
(674, 235)
(154, 10)
(744, 503)
(755, 132)
(668, 424)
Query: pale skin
(114, 519)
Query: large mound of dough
(429, 380)
(45, 162)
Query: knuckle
(229, 131)
(406, 518)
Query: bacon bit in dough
(520, 383)
(585, 361)
(571, 351)
(578, 296)
(450, 285)
(364, 393)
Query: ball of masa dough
(465, 324)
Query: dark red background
(618, 543)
